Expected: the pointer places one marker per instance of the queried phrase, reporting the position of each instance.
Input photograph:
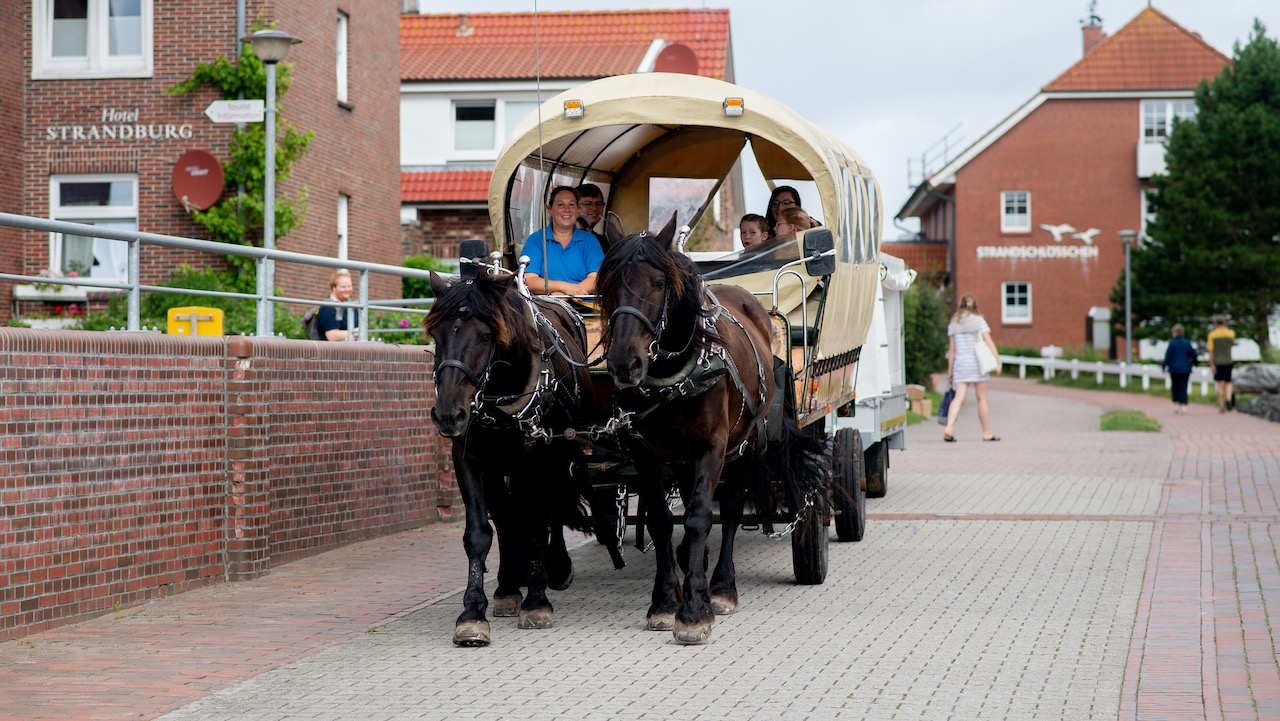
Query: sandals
(948, 439)
(992, 438)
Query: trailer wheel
(877, 465)
(850, 496)
(809, 548)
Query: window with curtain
(107, 201)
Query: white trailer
(879, 413)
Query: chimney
(1093, 37)
(464, 30)
(410, 7)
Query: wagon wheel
(809, 548)
(877, 465)
(850, 496)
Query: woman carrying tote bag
(969, 333)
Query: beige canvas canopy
(637, 128)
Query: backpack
(311, 321)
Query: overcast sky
(892, 77)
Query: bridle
(656, 330)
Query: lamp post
(1126, 237)
(270, 46)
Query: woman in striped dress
(967, 329)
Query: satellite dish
(677, 58)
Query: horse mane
(489, 299)
(685, 281)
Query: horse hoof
(562, 585)
(507, 606)
(660, 622)
(535, 618)
(693, 634)
(724, 605)
(471, 633)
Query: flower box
(56, 293)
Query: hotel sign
(119, 124)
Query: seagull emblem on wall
(1087, 236)
(1058, 230)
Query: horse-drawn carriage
(703, 393)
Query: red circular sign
(198, 179)
(677, 58)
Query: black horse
(510, 378)
(693, 371)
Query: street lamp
(270, 46)
(1126, 237)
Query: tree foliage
(924, 333)
(1214, 246)
(238, 216)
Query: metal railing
(264, 298)
(1125, 372)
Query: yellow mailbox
(195, 320)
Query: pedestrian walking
(1179, 360)
(1221, 339)
(967, 330)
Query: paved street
(1062, 573)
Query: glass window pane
(70, 9)
(683, 196)
(125, 28)
(116, 193)
(516, 110)
(474, 127)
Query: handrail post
(362, 320)
(263, 328)
(134, 319)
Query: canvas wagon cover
(642, 126)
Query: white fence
(1200, 376)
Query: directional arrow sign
(235, 111)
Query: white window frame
(1164, 111)
(1016, 317)
(96, 63)
(344, 203)
(88, 214)
(504, 121)
(1005, 225)
(344, 21)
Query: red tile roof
(1151, 52)
(445, 186)
(500, 46)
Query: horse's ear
(438, 284)
(668, 232)
(613, 231)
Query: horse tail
(798, 465)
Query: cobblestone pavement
(1062, 573)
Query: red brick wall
(355, 149)
(1078, 159)
(13, 68)
(438, 232)
(133, 466)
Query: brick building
(1032, 212)
(90, 135)
(468, 79)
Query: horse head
(481, 337)
(648, 291)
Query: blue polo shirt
(572, 264)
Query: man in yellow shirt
(1221, 339)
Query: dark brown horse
(510, 378)
(693, 371)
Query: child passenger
(753, 230)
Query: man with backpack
(330, 323)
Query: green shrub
(417, 287)
(924, 333)
(239, 316)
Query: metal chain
(791, 527)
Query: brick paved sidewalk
(1203, 645)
